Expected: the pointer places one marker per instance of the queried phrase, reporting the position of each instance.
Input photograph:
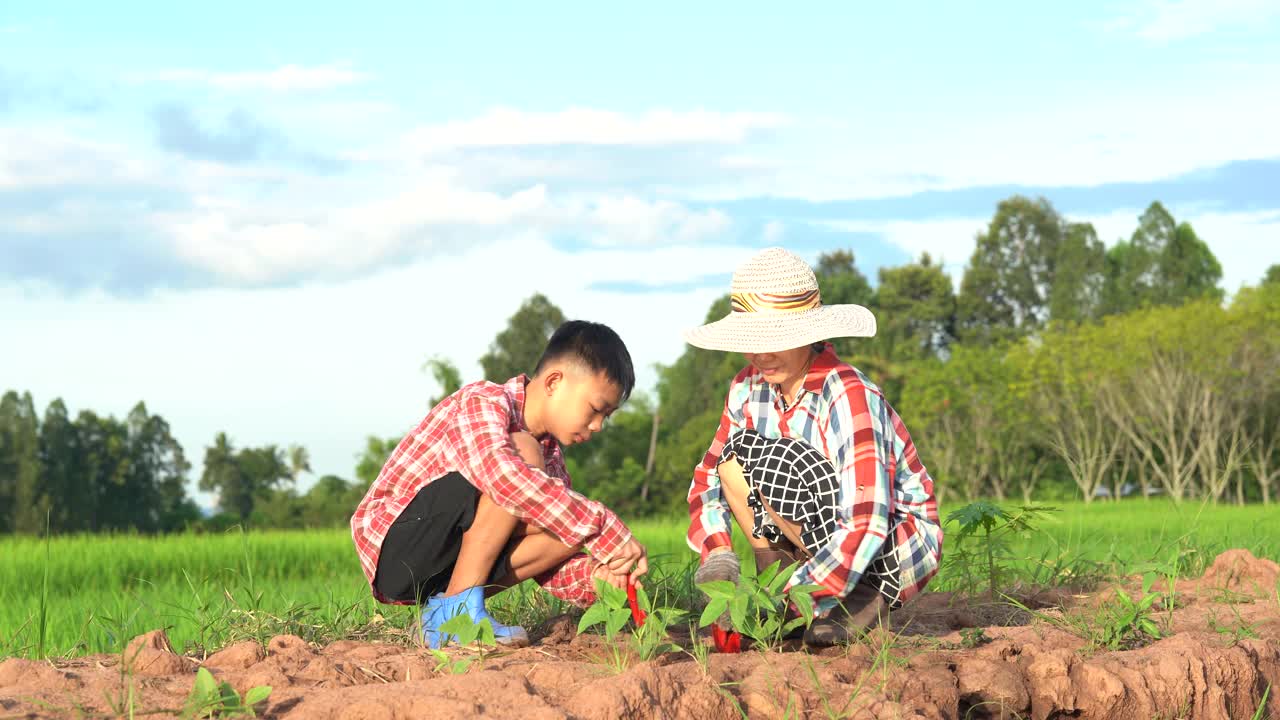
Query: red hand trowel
(727, 641)
(636, 613)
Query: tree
(222, 474)
(103, 463)
(840, 281)
(242, 477)
(155, 479)
(697, 381)
(64, 480)
(1273, 275)
(21, 485)
(1188, 269)
(299, 462)
(1165, 367)
(605, 468)
(517, 348)
(1256, 311)
(1079, 276)
(1027, 264)
(691, 393)
(263, 469)
(446, 376)
(370, 461)
(330, 502)
(1061, 388)
(1163, 263)
(915, 311)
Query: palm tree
(299, 462)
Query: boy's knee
(529, 449)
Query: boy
(477, 497)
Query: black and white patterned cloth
(800, 485)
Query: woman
(809, 459)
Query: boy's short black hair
(594, 345)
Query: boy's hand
(618, 580)
(631, 560)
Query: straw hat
(777, 306)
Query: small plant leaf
(715, 608)
(594, 615)
(618, 618)
(257, 695)
(718, 588)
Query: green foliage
(973, 637)
(915, 307)
(1233, 632)
(758, 605)
(517, 348)
(446, 376)
(211, 699)
(1029, 262)
(993, 529)
(612, 611)
(653, 638)
(373, 457)
(1129, 621)
(1163, 263)
(245, 477)
(469, 634)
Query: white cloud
(42, 158)
(326, 364)
(504, 127)
(1168, 20)
(287, 78)
(235, 242)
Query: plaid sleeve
(709, 512)
(484, 454)
(572, 581)
(918, 532)
(853, 437)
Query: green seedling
(613, 610)
(994, 528)
(758, 605)
(973, 637)
(699, 650)
(470, 634)
(652, 638)
(1130, 622)
(211, 699)
(1241, 630)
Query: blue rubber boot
(441, 608)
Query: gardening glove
(720, 564)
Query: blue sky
(263, 219)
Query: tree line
(1061, 368)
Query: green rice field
(91, 594)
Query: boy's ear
(551, 380)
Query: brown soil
(1222, 655)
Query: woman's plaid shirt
(469, 433)
(883, 485)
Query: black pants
(422, 545)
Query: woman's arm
(853, 435)
(709, 514)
